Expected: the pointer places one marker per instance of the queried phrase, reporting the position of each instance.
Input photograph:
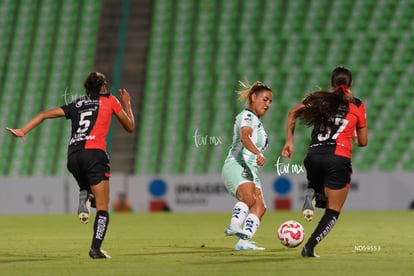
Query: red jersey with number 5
(338, 139)
(91, 117)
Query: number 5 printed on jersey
(83, 122)
(342, 123)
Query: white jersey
(259, 138)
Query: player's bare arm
(288, 148)
(36, 120)
(245, 138)
(125, 116)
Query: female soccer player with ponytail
(87, 158)
(240, 169)
(337, 119)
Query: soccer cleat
(91, 200)
(98, 254)
(320, 201)
(232, 230)
(308, 253)
(236, 231)
(84, 207)
(247, 245)
(308, 214)
(307, 205)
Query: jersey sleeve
(115, 104)
(362, 116)
(67, 110)
(247, 120)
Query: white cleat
(236, 231)
(84, 207)
(308, 214)
(232, 230)
(308, 205)
(247, 245)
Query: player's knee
(249, 200)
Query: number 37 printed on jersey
(341, 122)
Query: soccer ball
(291, 233)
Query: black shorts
(89, 167)
(327, 170)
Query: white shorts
(234, 174)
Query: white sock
(240, 211)
(251, 224)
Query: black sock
(99, 228)
(325, 225)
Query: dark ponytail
(341, 81)
(320, 109)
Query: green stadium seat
(36, 54)
(292, 45)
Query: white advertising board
(198, 193)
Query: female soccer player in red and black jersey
(337, 119)
(87, 158)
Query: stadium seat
(198, 51)
(39, 53)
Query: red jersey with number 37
(91, 117)
(338, 139)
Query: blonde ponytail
(244, 94)
(248, 90)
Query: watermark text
(205, 140)
(71, 98)
(287, 168)
(366, 248)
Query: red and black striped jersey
(338, 139)
(91, 117)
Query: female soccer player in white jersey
(241, 165)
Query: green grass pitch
(362, 243)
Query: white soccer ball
(291, 233)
